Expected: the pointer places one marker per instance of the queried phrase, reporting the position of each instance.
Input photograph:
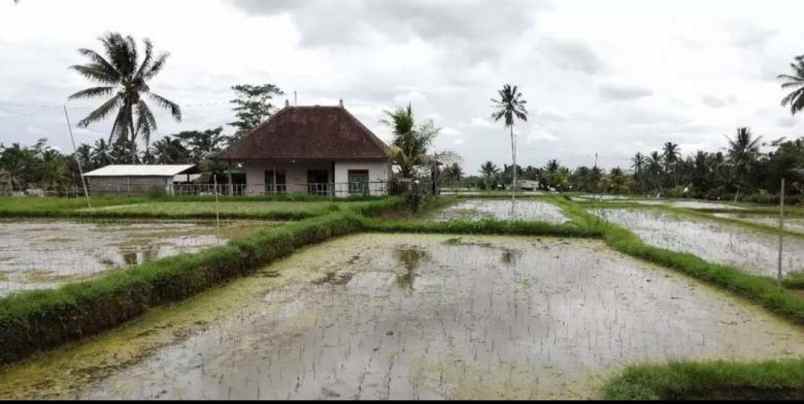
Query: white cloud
(611, 77)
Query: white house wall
(378, 176)
(296, 175)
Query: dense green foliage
(709, 380)
(252, 106)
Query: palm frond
(92, 92)
(146, 60)
(100, 61)
(167, 104)
(146, 123)
(101, 112)
(96, 73)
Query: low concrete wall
(129, 185)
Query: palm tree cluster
(37, 166)
(41, 166)
(740, 170)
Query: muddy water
(794, 224)
(689, 204)
(504, 209)
(751, 251)
(425, 316)
(37, 254)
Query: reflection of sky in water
(753, 251)
(476, 209)
(38, 253)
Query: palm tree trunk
(513, 158)
(133, 140)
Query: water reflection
(44, 253)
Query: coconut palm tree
(124, 76)
(409, 147)
(510, 106)
(671, 153)
(637, 163)
(490, 172)
(742, 154)
(796, 81)
(101, 153)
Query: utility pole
(75, 154)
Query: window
(275, 181)
(358, 182)
(318, 182)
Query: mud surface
(503, 209)
(426, 316)
(689, 204)
(746, 249)
(794, 224)
(36, 254)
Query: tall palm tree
(122, 75)
(796, 97)
(671, 153)
(510, 106)
(743, 153)
(637, 163)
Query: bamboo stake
(781, 230)
(75, 151)
(217, 207)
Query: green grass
(783, 379)
(484, 226)
(794, 280)
(263, 208)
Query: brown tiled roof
(309, 132)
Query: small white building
(321, 150)
(135, 178)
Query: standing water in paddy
(752, 251)
(36, 254)
(436, 316)
(503, 209)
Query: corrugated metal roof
(140, 170)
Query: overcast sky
(612, 77)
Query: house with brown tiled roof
(323, 150)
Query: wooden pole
(781, 229)
(217, 208)
(75, 151)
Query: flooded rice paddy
(689, 204)
(752, 251)
(503, 209)
(436, 316)
(794, 224)
(36, 254)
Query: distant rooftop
(140, 170)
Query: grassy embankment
(279, 207)
(768, 380)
